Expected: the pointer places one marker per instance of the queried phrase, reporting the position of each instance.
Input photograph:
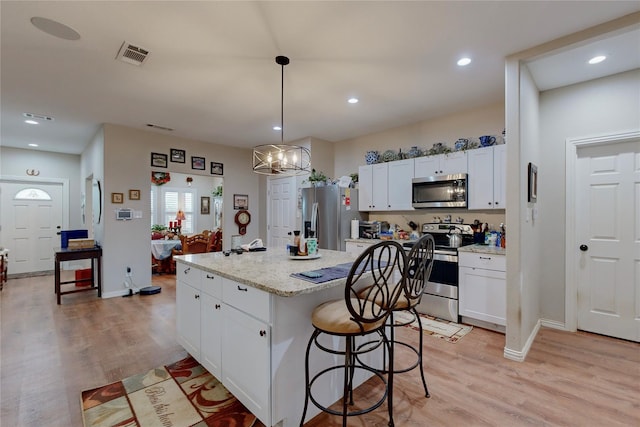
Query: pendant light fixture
(281, 159)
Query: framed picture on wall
(240, 201)
(177, 156)
(533, 183)
(216, 168)
(197, 163)
(159, 160)
(134, 194)
(205, 205)
(117, 198)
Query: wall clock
(243, 218)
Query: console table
(94, 254)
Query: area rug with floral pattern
(183, 394)
(436, 327)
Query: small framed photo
(533, 183)
(117, 198)
(177, 156)
(134, 194)
(216, 168)
(159, 160)
(197, 163)
(240, 201)
(205, 205)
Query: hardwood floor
(50, 353)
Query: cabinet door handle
(489, 203)
(210, 277)
(243, 289)
(217, 306)
(497, 203)
(187, 270)
(196, 296)
(263, 333)
(485, 257)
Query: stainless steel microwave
(443, 191)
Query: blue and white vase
(372, 157)
(414, 152)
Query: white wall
(127, 165)
(16, 161)
(487, 120)
(602, 106)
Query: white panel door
(282, 211)
(608, 234)
(30, 226)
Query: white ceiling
(211, 74)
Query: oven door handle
(445, 258)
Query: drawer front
(245, 298)
(356, 248)
(486, 261)
(188, 275)
(211, 284)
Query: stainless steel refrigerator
(328, 212)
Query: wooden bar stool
(380, 268)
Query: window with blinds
(172, 200)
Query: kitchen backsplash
(427, 215)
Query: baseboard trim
(553, 324)
(521, 355)
(118, 293)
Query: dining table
(161, 248)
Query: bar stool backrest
(379, 269)
(418, 268)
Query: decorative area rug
(183, 394)
(438, 328)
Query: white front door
(608, 239)
(282, 211)
(31, 220)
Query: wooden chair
(216, 241)
(194, 244)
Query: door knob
(584, 248)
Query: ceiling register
(281, 159)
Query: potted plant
(317, 179)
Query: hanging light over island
(281, 159)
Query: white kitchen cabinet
(482, 287)
(385, 186)
(441, 164)
(246, 361)
(400, 173)
(225, 326)
(486, 181)
(356, 248)
(188, 318)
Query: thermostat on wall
(124, 214)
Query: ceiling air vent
(132, 54)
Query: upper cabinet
(487, 176)
(441, 164)
(385, 186)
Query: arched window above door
(32, 194)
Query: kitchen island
(246, 320)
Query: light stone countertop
(483, 249)
(270, 270)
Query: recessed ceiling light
(352, 100)
(55, 28)
(31, 122)
(33, 145)
(277, 128)
(597, 59)
(33, 116)
(464, 61)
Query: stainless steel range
(440, 298)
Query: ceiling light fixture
(33, 145)
(55, 28)
(352, 100)
(464, 61)
(281, 159)
(31, 122)
(597, 59)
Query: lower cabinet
(482, 287)
(356, 248)
(215, 323)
